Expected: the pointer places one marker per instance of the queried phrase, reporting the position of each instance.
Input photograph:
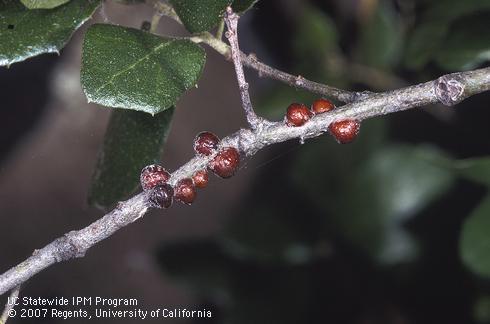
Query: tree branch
(449, 90)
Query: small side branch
(231, 20)
(300, 82)
(9, 306)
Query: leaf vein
(131, 66)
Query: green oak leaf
(26, 33)
(451, 9)
(467, 45)
(474, 245)
(423, 43)
(314, 25)
(207, 267)
(200, 263)
(402, 180)
(132, 141)
(243, 5)
(200, 15)
(43, 4)
(266, 234)
(132, 69)
(369, 198)
(381, 38)
(481, 309)
(474, 169)
(429, 36)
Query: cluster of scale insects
(154, 178)
(344, 131)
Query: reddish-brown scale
(321, 106)
(344, 131)
(200, 178)
(161, 196)
(206, 143)
(185, 191)
(225, 163)
(297, 114)
(152, 176)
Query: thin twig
(448, 90)
(231, 20)
(300, 82)
(9, 306)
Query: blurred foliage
(482, 309)
(374, 193)
(468, 44)
(475, 239)
(474, 169)
(454, 33)
(243, 5)
(365, 232)
(316, 26)
(381, 38)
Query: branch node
(299, 81)
(449, 90)
(244, 87)
(66, 249)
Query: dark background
(304, 233)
